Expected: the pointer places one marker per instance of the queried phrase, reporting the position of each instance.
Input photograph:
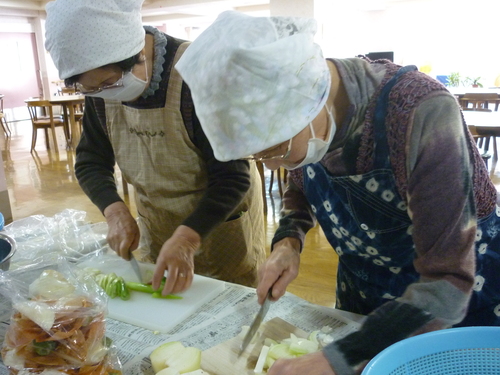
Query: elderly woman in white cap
(197, 214)
(379, 155)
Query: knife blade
(137, 270)
(256, 323)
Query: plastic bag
(57, 324)
(66, 233)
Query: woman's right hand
(280, 269)
(123, 231)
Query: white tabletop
(482, 119)
(478, 90)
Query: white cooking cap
(87, 34)
(255, 81)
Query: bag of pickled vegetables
(57, 324)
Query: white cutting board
(153, 313)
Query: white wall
(443, 35)
(449, 35)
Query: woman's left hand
(177, 257)
(310, 364)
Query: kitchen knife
(256, 323)
(137, 269)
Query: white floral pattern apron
(365, 220)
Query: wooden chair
(279, 179)
(66, 91)
(42, 117)
(479, 100)
(480, 141)
(3, 119)
(78, 108)
(260, 168)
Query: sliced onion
(301, 346)
(50, 285)
(259, 367)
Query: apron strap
(381, 145)
(175, 80)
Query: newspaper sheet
(215, 322)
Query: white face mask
(132, 88)
(316, 147)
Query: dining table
(461, 92)
(69, 103)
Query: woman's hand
(280, 269)
(177, 256)
(123, 231)
(310, 364)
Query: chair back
(42, 117)
(40, 109)
(478, 99)
(66, 91)
(3, 118)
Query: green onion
(168, 296)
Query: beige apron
(156, 155)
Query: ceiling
(152, 10)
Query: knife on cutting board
(222, 359)
(143, 277)
(256, 323)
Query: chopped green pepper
(44, 347)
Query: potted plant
(475, 82)
(454, 79)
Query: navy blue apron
(366, 221)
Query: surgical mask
(316, 147)
(131, 88)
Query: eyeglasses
(81, 89)
(271, 157)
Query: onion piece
(39, 312)
(50, 285)
(259, 367)
(302, 346)
(278, 351)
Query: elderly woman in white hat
(379, 156)
(197, 214)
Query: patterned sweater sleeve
(441, 206)
(296, 217)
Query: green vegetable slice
(115, 286)
(168, 296)
(44, 347)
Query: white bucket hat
(255, 81)
(87, 34)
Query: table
(460, 92)
(213, 323)
(68, 103)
